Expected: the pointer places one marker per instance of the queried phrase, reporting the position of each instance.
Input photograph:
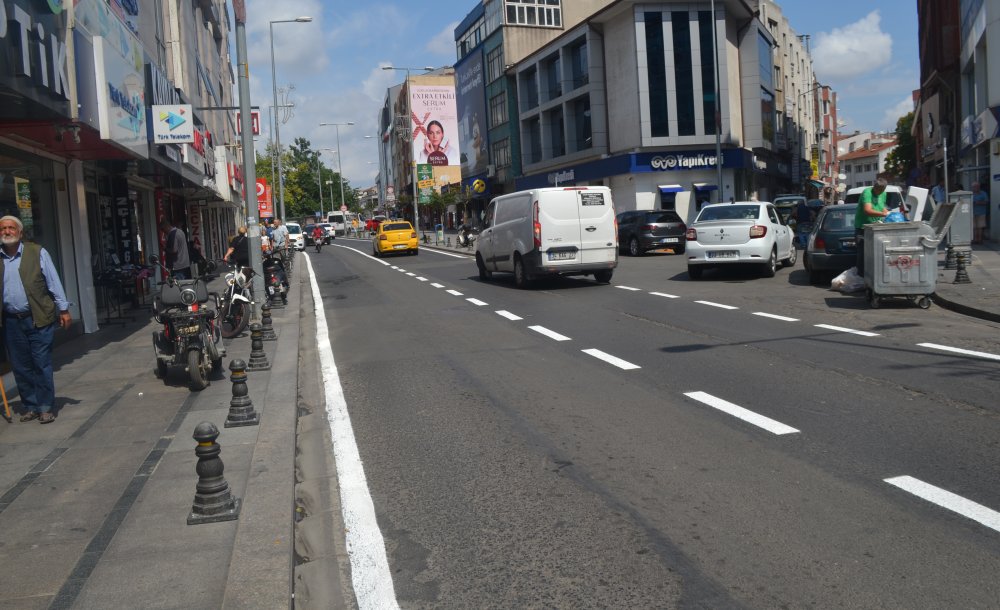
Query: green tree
(902, 159)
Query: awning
(670, 188)
(701, 186)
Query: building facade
(863, 165)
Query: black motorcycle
(275, 278)
(190, 335)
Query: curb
(965, 310)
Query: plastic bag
(848, 282)
(896, 216)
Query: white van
(339, 221)
(549, 231)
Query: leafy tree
(302, 181)
(902, 159)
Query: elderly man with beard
(33, 301)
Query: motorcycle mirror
(154, 259)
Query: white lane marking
(863, 333)
(476, 302)
(509, 316)
(775, 316)
(772, 426)
(370, 572)
(957, 350)
(629, 288)
(436, 285)
(719, 305)
(394, 267)
(411, 274)
(377, 260)
(664, 295)
(422, 279)
(622, 364)
(454, 292)
(445, 253)
(945, 499)
(551, 334)
(400, 269)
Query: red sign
(264, 203)
(254, 122)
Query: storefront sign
(976, 130)
(264, 203)
(194, 229)
(128, 12)
(254, 122)
(33, 59)
(682, 161)
(121, 99)
(172, 124)
(563, 177)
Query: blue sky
(865, 49)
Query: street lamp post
(274, 92)
(319, 179)
(409, 137)
(272, 120)
(340, 160)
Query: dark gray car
(643, 230)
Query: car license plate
(669, 240)
(848, 243)
(562, 256)
(188, 330)
(724, 254)
(400, 246)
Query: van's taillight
(537, 225)
(691, 235)
(819, 243)
(757, 231)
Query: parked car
(296, 239)
(741, 233)
(831, 246)
(642, 230)
(786, 205)
(893, 195)
(394, 236)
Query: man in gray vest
(33, 301)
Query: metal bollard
(949, 258)
(258, 359)
(961, 276)
(268, 333)
(241, 411)
(213, 501)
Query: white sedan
(741, 233)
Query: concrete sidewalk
(94, 505)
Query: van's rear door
(598, 242)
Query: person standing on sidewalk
(176, 251)
(239, 249)
(279, 238)
(980, 212)
(871, 208)
(33, 301)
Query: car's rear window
(730, 212)
(662, 217)
(839, 219)
(397, 226)
(892, 198)
(294, 229)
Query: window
(552, 75)
(471, 38)
(656, 74)
(533, 139)
(707, 71)
(683, 73)
(528, 84)
(582, 138)
(579, 64)
(544, 13)
(557, 134)
(766, 61)
(767, 117)
(498, 109)
(494, 64)
(501, 153)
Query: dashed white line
(477, 302)
(629, 288)
(411, 274)
(436, 285)
(551, 334)
(761, 421)
(454, 292)
(400, 269)
(394, 267)
(509, 316)
(775, 316)
(622, 364)
(945, 499)
(664, 295)
(957, 350)
(863, 333)
(719, 305)
(422, 279)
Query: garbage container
(438, 234)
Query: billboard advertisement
(434, 122)
(264, 204)
(471, 91)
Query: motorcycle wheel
(197, 376)
(236, 320)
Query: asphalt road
(659, 442)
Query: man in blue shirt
(33, 301)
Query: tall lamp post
(272, 120)
(409, 137)
(340, 160)
(274, 92)
(319, 179)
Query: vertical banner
(434, 121)
(264, 204)
(472, 114)
(425, 182)
(22, 192)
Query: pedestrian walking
(33, 301)
(176, 251)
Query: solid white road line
(775, 316)
(454, 292)
(445, 253)
(945, 499)
(664, 295)
(772, 426)
(476, 302)
(509, 316)
(370, 573)
(629, 288)
(377, 260)
(719, 305)
(436, 285)
(863, 333)
(956, 350)
(622, 364)
(551, 334)
(422, 279)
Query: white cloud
(893, 113)
(853, 50)
(444, 42)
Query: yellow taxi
(394, 236)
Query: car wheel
(603, 276)
(792, 257)
(694, 272)
(633, 247)
(520, 275)
(484, 273)
(771, 266)
(415, 251)
(376, 253)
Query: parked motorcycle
(190, 335)
(274, 277)
(235, 304)
(467, 236)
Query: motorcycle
(467, 236)
(274, 277)
(190, 335)
(236, 302)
